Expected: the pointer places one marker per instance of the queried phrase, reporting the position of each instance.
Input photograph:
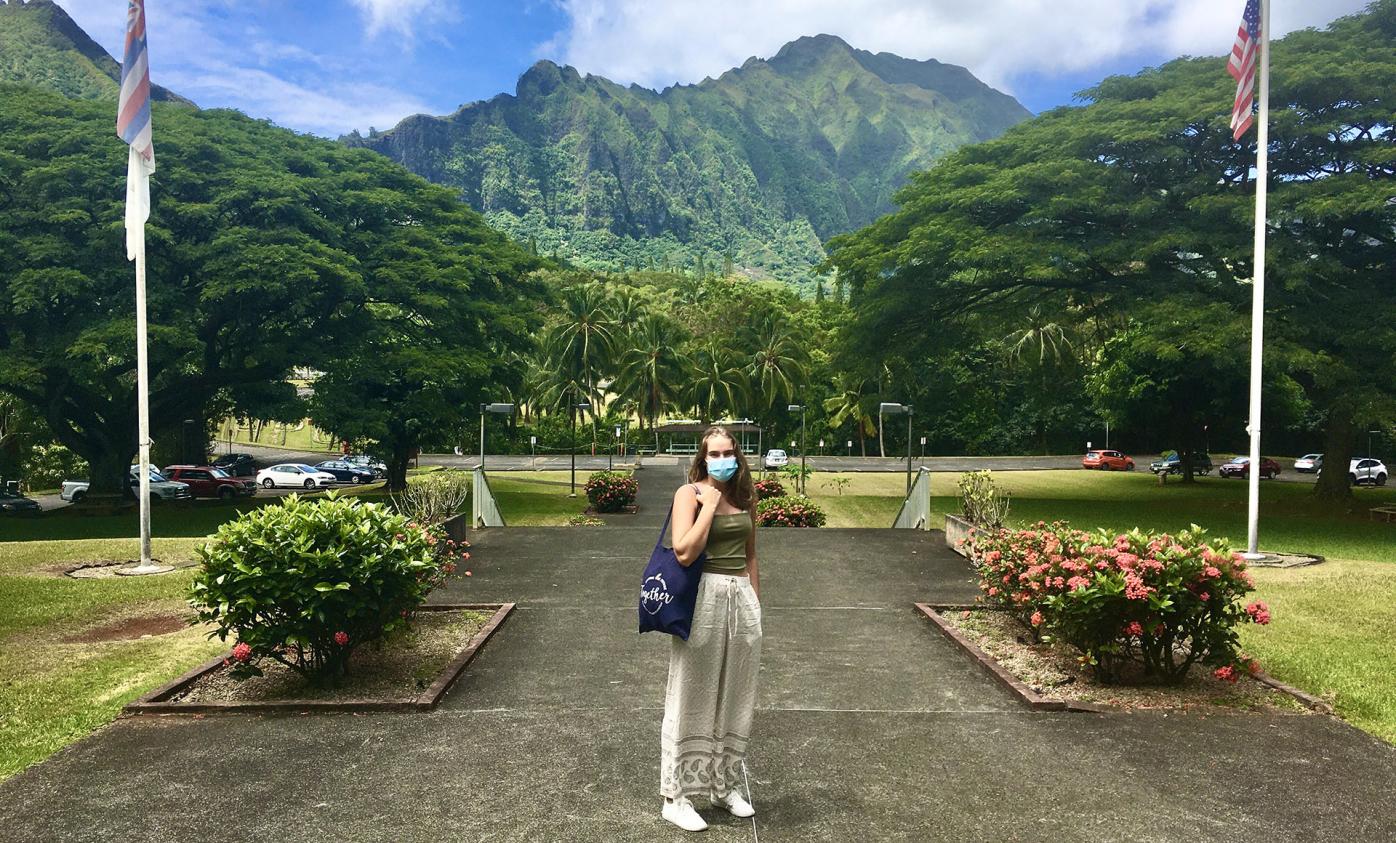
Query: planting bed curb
(1039, 702)
(628, 509)
(158, 700)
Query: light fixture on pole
(801, 407)
(580, 405)
(890, 407)
(505, 409)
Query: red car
(1107, 461)
(1241, 467)
(205, 481)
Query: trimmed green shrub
(610, 491)
(789, 511)
(307, 582)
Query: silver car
(160, 488)
(1309, 464)
(775, 458)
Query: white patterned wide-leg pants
(711, 695)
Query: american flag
(1244, 55)
(133, 125)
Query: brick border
(1039, 702)
(158, 700)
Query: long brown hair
(739, 491)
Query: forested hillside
(749, 172)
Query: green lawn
(52, 692)
(1335, 623)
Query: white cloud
(401, 16)
(660, 43)
(244, 68)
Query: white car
(1366, 470)
(1309, 463)
(160, 488)
(294, 475)
(775, 458)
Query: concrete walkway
(870, 728)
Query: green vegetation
(1105, 252)
(748, 172)
(40, 45)
(251, 277)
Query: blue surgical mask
(722, 468)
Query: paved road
(869, 727)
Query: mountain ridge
(40, 44)
(755, 168)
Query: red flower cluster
(610, 491)
(242, 651)
(789, 511)
(1164, 601)
(341, 638)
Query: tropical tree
(851, 405)
(779, 363)
(651, 370)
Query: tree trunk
(400, 455)
(1338, 436)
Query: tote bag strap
(665, 529)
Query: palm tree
(779, 365)
(850, 404)
(651, 369)
(581, 347)
(1046, 344)
(718, 382)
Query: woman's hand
(708, 495)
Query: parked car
(1309, 464)
(237, 465)
(372, 463)
(1366, 470)
(13, 503)
(346, 472)
(161, 488)
(1107, 461)
(205, 481)
(1171, 463)
(775, 458)
(1241, 467)
(294, 475)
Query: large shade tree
(1141, 196)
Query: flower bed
(1133, 603)
(611, 491)
(1052, 672)
(789, 511)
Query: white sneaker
(681, 813)
(736, 805)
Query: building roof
(699, 427)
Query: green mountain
(752, 170)
(40, 45)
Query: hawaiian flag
(133, 125)
(1245, 54)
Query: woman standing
(711, 693)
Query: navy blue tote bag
(669, 590)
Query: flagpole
(136, 170)
(1262, 162)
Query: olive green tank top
(727, 543)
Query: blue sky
(329, 66)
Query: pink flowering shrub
(610, 491)
(770, 488)
(789, 511)
(306, 582)
(1160, 601)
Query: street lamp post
(890, 407)
(579, 405)
(490, 408)
(801, 407)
